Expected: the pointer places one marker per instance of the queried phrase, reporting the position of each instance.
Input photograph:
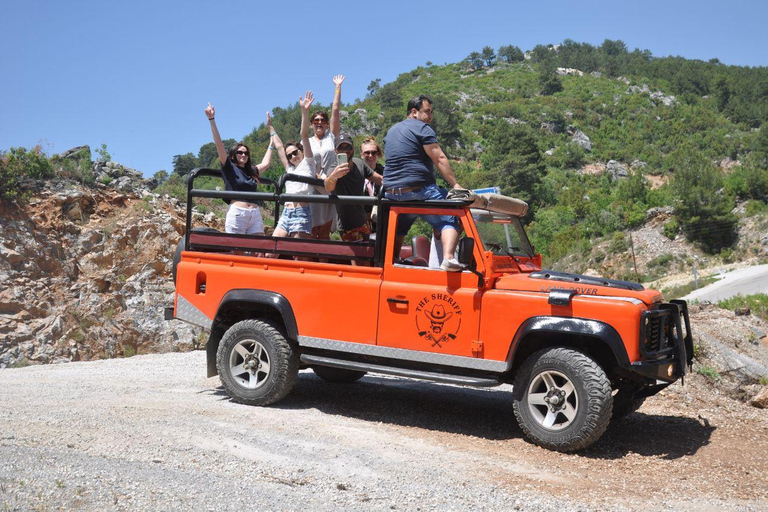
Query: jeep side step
(400, 372)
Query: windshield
(502, 233)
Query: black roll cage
(373, 250)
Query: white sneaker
(451, 265)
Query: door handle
(393, 300)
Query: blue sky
(136, 75)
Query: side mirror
(466, 251)
(466, 256)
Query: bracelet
(210, 118)
(272, 147)
(273, 134)
(338, 88)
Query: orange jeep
(578, 350)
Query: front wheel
(256, 364)
(562, 399)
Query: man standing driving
(411, 152)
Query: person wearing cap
(347, 180)
(411, 152)
(322, 144)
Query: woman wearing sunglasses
(242, 176)
(323, 143)
(297, 158)
(371, 152)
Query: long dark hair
(233, 157)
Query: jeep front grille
(657, 333)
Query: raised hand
(338, 80)
(306, 101)
(269, 121)
(210, 112)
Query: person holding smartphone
(347, 179)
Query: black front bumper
(666, 347)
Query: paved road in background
(744, 281)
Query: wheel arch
(247, 304)
(598, 339)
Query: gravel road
(152, 433)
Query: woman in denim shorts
(297, 158)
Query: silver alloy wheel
(249, 364)
(552, 400)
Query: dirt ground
(150, 432)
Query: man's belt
(404, 190)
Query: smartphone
(341, 158)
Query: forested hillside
(593, 137)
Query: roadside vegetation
(757, 304)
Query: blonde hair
(371, 140)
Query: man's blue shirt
(407, 164)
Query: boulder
(666, 100)
(761, 399)
(76, 153)
(616, 170)
(637, 89)
(581, 139)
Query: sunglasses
(293, 154)
(319, 120)
(370, 153)
(242, 153)
(345, 148)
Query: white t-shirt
(324, 152)
(305, 168)
(325, 160)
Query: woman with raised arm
(241, 175)
(297, 158)
(323, 144)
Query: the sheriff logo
(438, 318)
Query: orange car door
(428, 310)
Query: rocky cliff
(85, 273)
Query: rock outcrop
(86, 272)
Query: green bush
(670, 228)
(757, 303)
(755, 207)
(619, 243)
(18, 164)
(77, 167)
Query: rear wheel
(562, 399)
(256, 364)
(340, 375)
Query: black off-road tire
(583, 403)
(338, 375)
(256, 364)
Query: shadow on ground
(482, 413)
(668, 437)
